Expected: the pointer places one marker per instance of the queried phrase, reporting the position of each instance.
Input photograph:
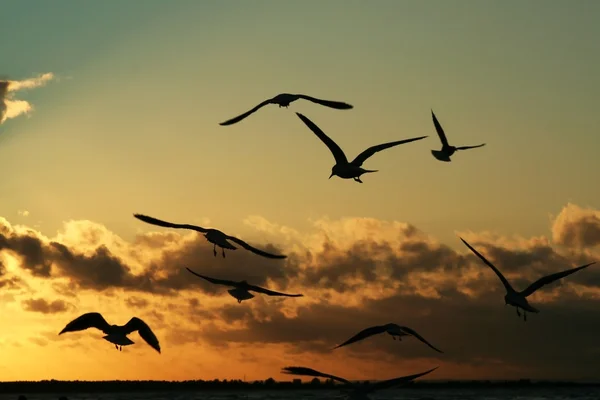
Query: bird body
(115, 334)
(284, 100)
(447, 150)
(119, 339)
(214, 236)
(519, 299)
(353, 169)
(241, 290)
(240, 294)
(394, 330)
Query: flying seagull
(392, 329)
(284, 100)
(358, 391)
(447, 150)
(116, 334)
(343, 168)
(214, 236)
(519, 299)
(241, 290)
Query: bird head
(332, 171)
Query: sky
(112, 108)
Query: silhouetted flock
(117, 334)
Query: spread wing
(470, 147)
(489, 264)
(89, 320)
(254, 249)
(362, 157)
(398, 381)
(338, 154)
(365, 333)
(439, 130)
(246, 114)
(268, 292)
(136, 324)
(303, 371)
(155, 221)
(551, 278)
(339, 105)
(213, 280)
(421, 338)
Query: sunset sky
(113, 109)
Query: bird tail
(369, 170)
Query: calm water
(406, 394)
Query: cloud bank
(354, 273)
(11, 107)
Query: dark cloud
(101, 270)
(45, 307)
(3, 92)
(136, 302)
(31, 251)
(577, 227)
(448, 295)
(558, 343)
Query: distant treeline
(63, 387)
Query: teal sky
(131, 123)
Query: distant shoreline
(55, 386)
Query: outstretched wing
(421, 338)
(470, 147)
(136, 324)
(365, 333)
(303, 371)
(246, 114)
(338, 154)
(268, 292)
(89, 320)
(158, 222)
(489, 264)
(398, 381)
(551, 278)
(254, 249)
(439, 130)
(213, 280)
(339, 105)
(362, 157)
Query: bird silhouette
(447, 150)
(284, 100)
(214, 236)
(242, 289)
(357, 391)
(116, 334)
(353, 169)
(392, 329)
(519, 299)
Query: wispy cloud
(11, 107)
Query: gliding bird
(242, 289)
(116, 334)
(358, 391)
(214, 236)
(343, 168)
(519, 299)
(447, 150)
(284, 100)
(392, 329)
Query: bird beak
(330, 175)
